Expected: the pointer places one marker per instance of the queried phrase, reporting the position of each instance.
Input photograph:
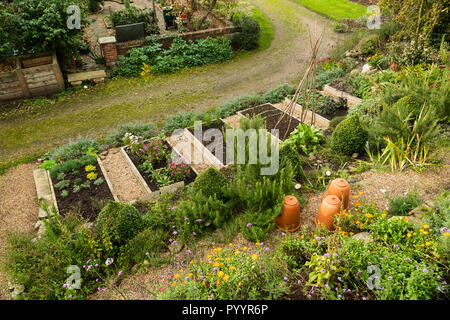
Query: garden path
(97, 111)
(18, 209)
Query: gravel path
(18, 209)
(125, 184)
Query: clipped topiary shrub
(210, 182)
(120, 221)
(349, 136)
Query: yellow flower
(225, 278)
(181, 271)
(257, 244)
(218, 282)
(355, 196)
(237, 252)
(408, 235)
(383, 215)
(239, 284)
(302, 237)
(446, 234)
(174, 284)
(203, 282)
(244, 248)
(215, 264)
(428, 243)
(220, 274)
(425, 226)
(209, 256)
(190, 274)
(352, 233)
(192, 262)
(254, 256)
(228, 259)
(230, 244)
(422, 245)
(232, 268)
(405, 219)
(176, 276)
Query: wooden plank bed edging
(135, 171)
(105, 174)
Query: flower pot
(330, 206)
(290, 217)
(337, 187)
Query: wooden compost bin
(34, 76)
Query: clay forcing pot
(330, 206)
(336, 187)
(290, 217)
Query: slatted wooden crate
(33, 77)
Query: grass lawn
(267, 29)
(335, 9)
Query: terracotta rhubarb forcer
(330, 206)
(290, 217)
(337, 187)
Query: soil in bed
(87, 202)
(152, 184)
(221, 149)
(272, 116)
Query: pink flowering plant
(178, 170)
(154, 149)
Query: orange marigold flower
(357, 203)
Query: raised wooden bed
(272, 114)
(338, 94)
(33, 77)
(88, 201)
(154, 191)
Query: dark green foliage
(132, 66)
(73, 150)
(181, 54)
(279, 93)
(201, 214)
(72, 164)
(401, 206)
(34, 26)
(120, 221)
(335, 121)
(211, 183)
(289, 156)
(349, 136)
(248, 39)
(326, 106)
